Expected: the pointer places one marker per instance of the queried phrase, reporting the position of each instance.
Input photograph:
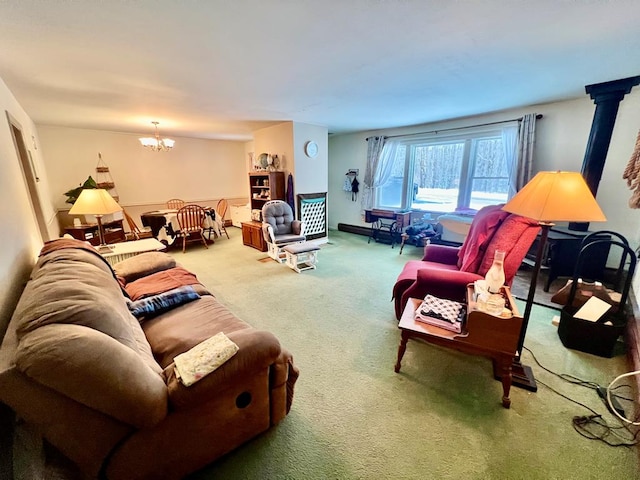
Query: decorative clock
(311, 149)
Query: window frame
(469, 137)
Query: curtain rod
(538, 117)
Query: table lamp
(549, 197)
(98, 202)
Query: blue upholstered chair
(280, 228)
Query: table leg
(505, 377)
(373, 230)
(404, 239)
(404, 337)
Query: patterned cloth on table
(441, 312)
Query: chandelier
(156, 143)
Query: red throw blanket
(160, 282)
(484, 225)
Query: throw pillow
(156, 304)
(142, 265)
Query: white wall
(311, 174)
(20, 241)
(195, 170)
(276, 140)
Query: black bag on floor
(599, 337)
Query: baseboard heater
(357, 229)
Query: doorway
(29, 174)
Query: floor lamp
(98, 202)
(549, 197)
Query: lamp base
(104, 248)
(522, 377)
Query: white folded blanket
(204, 358)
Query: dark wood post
(607, 97)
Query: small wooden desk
(387, 223)
(483, 334)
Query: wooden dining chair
(175, 204)
(191, 221)
(221, 210)
(137, 232)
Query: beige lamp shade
(94, 201)
(556, 197)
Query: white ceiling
(223, 68)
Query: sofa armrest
(258, 350)
(448, 284)
(267, 233)
(441, 254)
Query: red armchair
(445, 271)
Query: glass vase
(495, 275)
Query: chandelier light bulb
(156, 143)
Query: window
(441, 174)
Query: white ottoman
(301, 256)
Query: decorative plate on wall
(263, 160)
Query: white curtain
(385, 164)
(526, 139)
(374, 149)
(380, 171)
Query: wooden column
(607, 97)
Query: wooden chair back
(191, 218)
(191, 221)
(135, 230)
(175, 203)
(221, 209)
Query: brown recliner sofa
(100, 385)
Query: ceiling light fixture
(156, 143)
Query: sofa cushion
(72, 286)
(94, 369)
(151, 306)
(163, 281)
(182, 328)
(142, 265)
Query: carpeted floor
(441, 417)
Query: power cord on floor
(593, 426)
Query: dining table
(166, 228)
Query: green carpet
(354, 418)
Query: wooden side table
(483, 334)
(252, 235)
(113, 232)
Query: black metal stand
(522, 374)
